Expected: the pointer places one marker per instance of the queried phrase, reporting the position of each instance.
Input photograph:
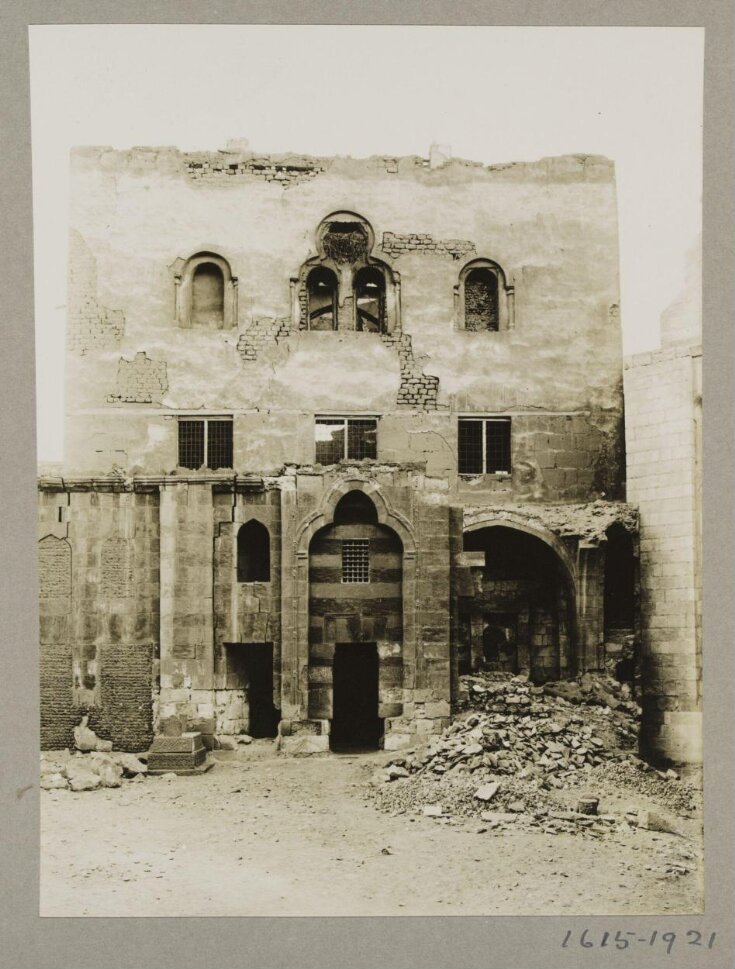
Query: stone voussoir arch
(496, 519)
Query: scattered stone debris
(64, 770)
(526, 748)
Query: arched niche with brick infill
(388, 522)
(483, 299)
(205, 291)
(345, 287)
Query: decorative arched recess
(493, 313)
(213, 265)
(388, 516)
(344, 243)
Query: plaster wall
(550, 225)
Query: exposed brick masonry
(396, 245)
(418, 390)
(54, 568)
(140, 380)
(284, 173)
(58, 713)
(90, 326)
(262, 332)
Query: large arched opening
(355, 623)
(517, 614)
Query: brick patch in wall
(140, 381)
(116, 568)
(261, 333)
(59, 715)
(283, 173)
(395, 245)
(54, 568)
(125, 711)
(418, 390)
(90, 325)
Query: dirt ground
(266, 834)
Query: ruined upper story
(418, 293)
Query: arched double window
(344, 287)
(483, 300)
(206, 291)
(253, 553)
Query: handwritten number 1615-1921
(621, 940)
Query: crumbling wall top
(588, 522)
(227, 165)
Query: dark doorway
(499, 642)
(355, 721)
(264, 716)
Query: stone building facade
(337, 431)
(664, 445)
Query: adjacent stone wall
(99, 581)
(663, 438)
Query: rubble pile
(513, 747)
(89, 770)
(663, 787)
(532, 732)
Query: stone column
(590, 603)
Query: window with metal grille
(338, 438)
(356, 560)
(205, 443)
(484, 445)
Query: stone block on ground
(130, 764)
(304, 744)
(181, 755)
(587, 805)
(110, 775)
(53, 782)
(80, 775)
(487, 792)
(85, 739)
(224, 742)
(655, 821)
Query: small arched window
(370, 300)
(481, 300)
(253, 553)
(208, 295)
(322, 292)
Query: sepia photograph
(369, 389)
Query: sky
(495, 94)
